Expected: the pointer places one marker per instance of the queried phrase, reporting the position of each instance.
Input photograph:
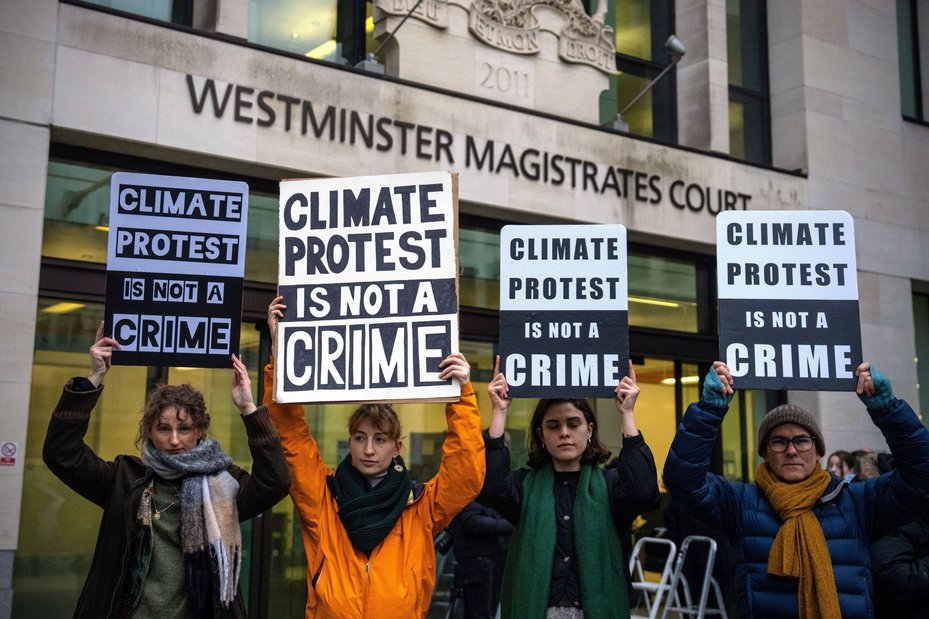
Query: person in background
(565, 560)
(841, 464)
(479, 535)
(900, 564)
(368, 528)
(866, 466)
(169, 543)
(799, 535)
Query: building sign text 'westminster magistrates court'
(336, 124)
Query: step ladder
(653, 593)
(680, 585)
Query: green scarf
(368, 514)
(528, 572)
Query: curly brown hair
(595, 453)
(187, 401)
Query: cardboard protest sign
(175, 267)
(369, 275)
(564, 310)
(788, 299)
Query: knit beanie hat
(789, 413)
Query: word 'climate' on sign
(563, 310)
(175, 269)
(368, 272)
(788, 299)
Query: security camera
(675, 47)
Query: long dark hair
(595, 453)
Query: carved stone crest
(513, 26)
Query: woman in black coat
(169, 543)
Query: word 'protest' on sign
(369, 275)
(564, 319)
(788, 299)
(175, 268)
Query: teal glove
(713, 391)
(883, 392)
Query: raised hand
(725, 377)
(718, 386)
(275, 313)
(101, 356)
(242, 387)
(627, 392)
(455, 366)
(499, 391)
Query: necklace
(159, 512)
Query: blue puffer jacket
(851, 515)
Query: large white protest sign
(564, 319)
(369, 275)
(788, 299)
(175, 267)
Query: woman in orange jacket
(368, 529)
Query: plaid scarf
(799, 549)
(211, 540)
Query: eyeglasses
(779, 444)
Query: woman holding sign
(551, 570)
(169, 543)
(368, 528)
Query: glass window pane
(907, 46)
(656, 410)
(662, 293)
(634, 28)
(479, 255)
(747, 128)
(746, 40)
(77, 207)
(921, 329)
(639, 116)
(164, 10)
(261, 242)
(306, 28)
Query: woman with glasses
(800, 535)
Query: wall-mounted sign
(368, 270)
(788, 299)
(175, 267)
(564, 310)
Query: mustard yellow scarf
(799, 549)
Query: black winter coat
(632, 486)
(117, 487)
(900, 562)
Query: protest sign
(788, 299)
(369, 275)
(564, 319)
(175, 267)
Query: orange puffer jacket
(397, 580)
